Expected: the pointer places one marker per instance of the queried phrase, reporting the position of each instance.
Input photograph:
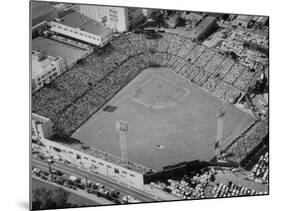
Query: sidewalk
(160, 194)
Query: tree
(49, 199)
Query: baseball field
(169, 121)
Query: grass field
(162, 109)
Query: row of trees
(43, 198)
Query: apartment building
(45, 68)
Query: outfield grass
(185, 129)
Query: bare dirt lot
(170, 121)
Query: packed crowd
(189, 187)
(71, 91)
(95, 98)
(176, 44)
(138, 43)
(203, 60)
(247, 141)
(164, 42)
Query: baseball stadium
(167, 90)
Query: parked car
(99, 185)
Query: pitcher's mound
(159, 92)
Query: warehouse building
(204, 28)
(81, 27)
(242, 20)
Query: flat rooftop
(57, 49)
(78, 20)
(38, 66)
(203, 25)
(170, 121)
(39, 9)
(246, 18)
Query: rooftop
(203, 25)
(57, 49)
(77, 20)
(39, 9)
(246, 18)
(192, 16)
(39, 67)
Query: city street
(144, 197)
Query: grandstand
(75, 96)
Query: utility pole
(87, 185)
(220, 122)
(50, 170)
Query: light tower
(122, 128)
(220, 117)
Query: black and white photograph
(133, 105)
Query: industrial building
(45, 68)
(150, 12)
(56, 48)
(262, 21)
(191, 19)
(204, 28)
(41, 127)
(242, 20)
(119, 19)
(81, 27)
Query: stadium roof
(78, 20)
